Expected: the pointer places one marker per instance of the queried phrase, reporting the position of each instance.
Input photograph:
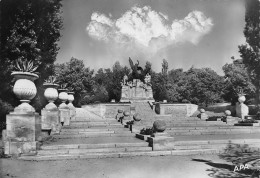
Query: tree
(159, 82)
(250, 52)
(76, 76)
(236, 77)
(115, 78)
(165, 67)
(201, 86)
(29, 30)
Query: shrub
(5, 108)
(147, 131)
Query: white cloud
(149, 29)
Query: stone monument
(138, 86)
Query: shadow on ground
(241, 162)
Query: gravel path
(135, 167)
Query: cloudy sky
(202, 33)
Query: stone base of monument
(50, 120)
(65, 116)
(22, 132)
(161, 141)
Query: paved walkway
(137, 167)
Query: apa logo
(241, 167)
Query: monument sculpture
(137, 86)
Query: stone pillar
(71, 107)
(126, 117)
(119, 115)
(23, 128)
(63, 108)
(50, 114)
(241, 109)
(203, 115)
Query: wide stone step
(194, 124)
(215, 142)
(87, 135)
(211, 127)
(83, 119)
(86, 132)
(96, 150)
(93, 146)
(213, 132)
(93, 129)
(119, 154)
(93, 123)
(74, 126)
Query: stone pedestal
(22, 132)
(119, 116)
(176, 109)
(241, 110)
(65, 116)
(72, 112)
(230, 119)
(203, 116)
(51, 120)
(161, 142)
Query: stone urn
(126, 113)
(228, 113)
(159, 126)
(70, 98)
(63, 96)
(137, 117)
(25, 89)
(241, 99)
(241, 109)
(51, 94)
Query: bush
(248, 121)
(147, 131)
(5, 108)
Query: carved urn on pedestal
(51, 94)
(25, 89)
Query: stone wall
(176, 109)
(112, 109)
(107, 110)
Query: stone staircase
(182, 125)
(92, 136)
